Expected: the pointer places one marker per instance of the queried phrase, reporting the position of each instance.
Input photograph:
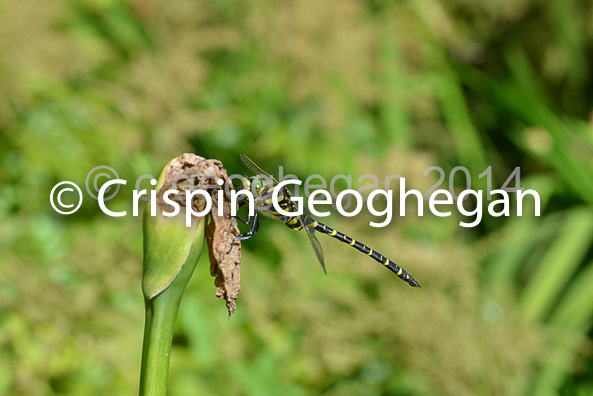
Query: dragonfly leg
(248, 221)
(254, 221)
(241, 203)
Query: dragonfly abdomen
(361, 247)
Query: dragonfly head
(258, 185)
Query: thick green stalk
(161, 313)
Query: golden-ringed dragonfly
(262, 187)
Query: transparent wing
(254, 168)
(305, 218)
(316, 245)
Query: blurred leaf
(558, 266)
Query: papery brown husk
(192, 172)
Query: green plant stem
(161, 313)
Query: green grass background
(324, 87)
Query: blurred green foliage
(354, 87)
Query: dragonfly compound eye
(257, 185)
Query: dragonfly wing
(254, 168)
(316, 245)
(306, 219)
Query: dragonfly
(262, 187)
